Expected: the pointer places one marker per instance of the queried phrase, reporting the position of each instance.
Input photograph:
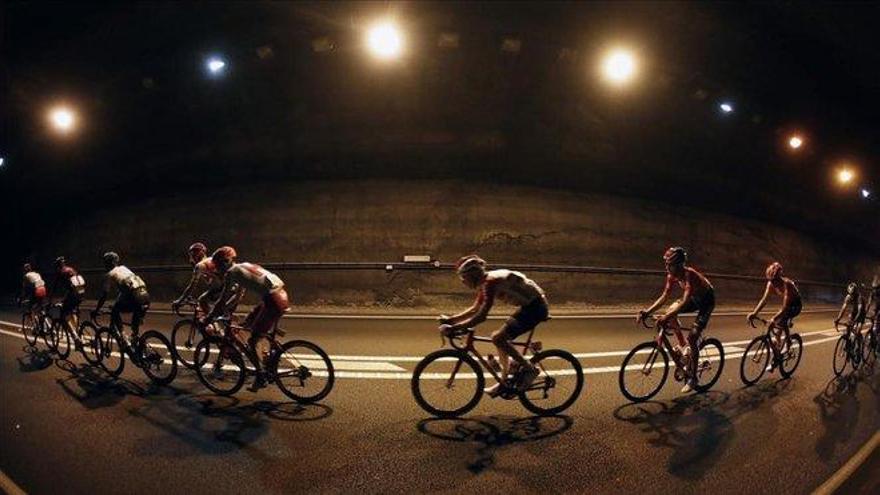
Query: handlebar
(762, 320)
(653, 318)
(192, 303)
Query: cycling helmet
(111, 258)
(852, 288)
(470, 264)
(198, 248)
(774, 270)
(27, 267)
(60, 261)
(675, 256)
(224, 254)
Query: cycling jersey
(250, 276)
(33, 286)
(125, 281)
(695, 281)
(73, 281)
(509, 286)
(206, 270)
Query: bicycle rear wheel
(219, 366)
(643, 372)
(754, 361)
(710, 364)
(557, 386)
(62, 340)
(841, 356)
(855, 350)
(91, 349)
(184, 338)
(48, 332)
(303, 371)
(447, 383)
(792, 358)
(110, 350)
(29, 328)
(156, 358)
(869, 346)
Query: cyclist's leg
(524, 320)
(704, 312)
(272, 308)
(141, 303)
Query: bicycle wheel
(156, 358)
(62, 340)
(29, 328)
(855, 350)
(641, 374)
(841, 355)
(88, 337)
(48, 333)
(792, 358)
(557, 386)
(220, 366)
(869, 346)
(447, 383)
(303, 371)
(184, 338)
(754, 361)
(710, 364)
(110, 350)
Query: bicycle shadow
(35, 359)
(93, 388)
(838, 407)
(493, 433)
(216, 424)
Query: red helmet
(675, 256)
(198, 248)
(225, 254)
(774, 270)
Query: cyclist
(853, 307)
(874, 302)
(511, 287)
(204, 272)
(238, 278)
(33, 289)
(792, 303)
(131, 294)
(698, 296)
(74, 287)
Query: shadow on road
(839, 411)
(34, 360)
(493, 433)
(94, 389)
(698, 428)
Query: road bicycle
(150, 351)
(848, 349)
(871, 341)
(300, 369)
(449, 382)
(35, 324)
(763, 348)
(83, 338)
(187, 333)
(646, 367)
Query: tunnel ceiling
(513, 98)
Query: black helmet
(27, 268)
(111, 258)
(852, 288)
(675, 256)
(60, 261)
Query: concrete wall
(383, 220)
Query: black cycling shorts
(703, 307)
(526, 318)
(71, 303)
(793, 310)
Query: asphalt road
(66, 427)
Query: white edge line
(849, 467)
(8, 486)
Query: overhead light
(385, 41)
(795, 142)
(726, 107)
(865, 193)
(619, 66)
(845, 175)
(215, 65)
(62, 119)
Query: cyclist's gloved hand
(642, 316)
(446, 329)
(444, 319)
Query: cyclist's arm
(189, 287)
(229, 289)
(763, 301)
(454, 319)
(660, 300)
(843, 309)
(107, 285)
(481, 311)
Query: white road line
(382, 370)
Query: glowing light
(62, 119)
(2, 161)
(216, 65)
(795, 142)
(619, 66)
(726, 107)
(385, 41)
(866, 193)
(845, 176)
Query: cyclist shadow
(839, 407)
(34, 360)
(216, 424)
(93, 388)
(493, 433)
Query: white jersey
(253, 277)
(33, 281)
(510, 286)
(124, 280)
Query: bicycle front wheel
(792, 358)
(29, 328)
(841, 355)
(303, 371)
(110, 350)
(855, 350)
(643, 372)
(48, 332)
(754, 361)
(447, 383)
(557, 386)
(156, 358)
(219, 366)
(869, 345)
(91, 349)
(62, 340)
(184, 338)
(710, 364)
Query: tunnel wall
(384, 220)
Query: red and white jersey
(784, 287)
(32, 281)
(73, 280)
(206, 270)
(698, 284)
(509, 286)
(253, 277)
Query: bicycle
(848, 348)
(871, 341)
(634, 374)
(150, 351)
(756, 357)
(300, 369)
(83, 338)
(559, 372)
(35, 324)
(187, 333)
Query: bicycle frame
(229, 330)
(470, 348)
